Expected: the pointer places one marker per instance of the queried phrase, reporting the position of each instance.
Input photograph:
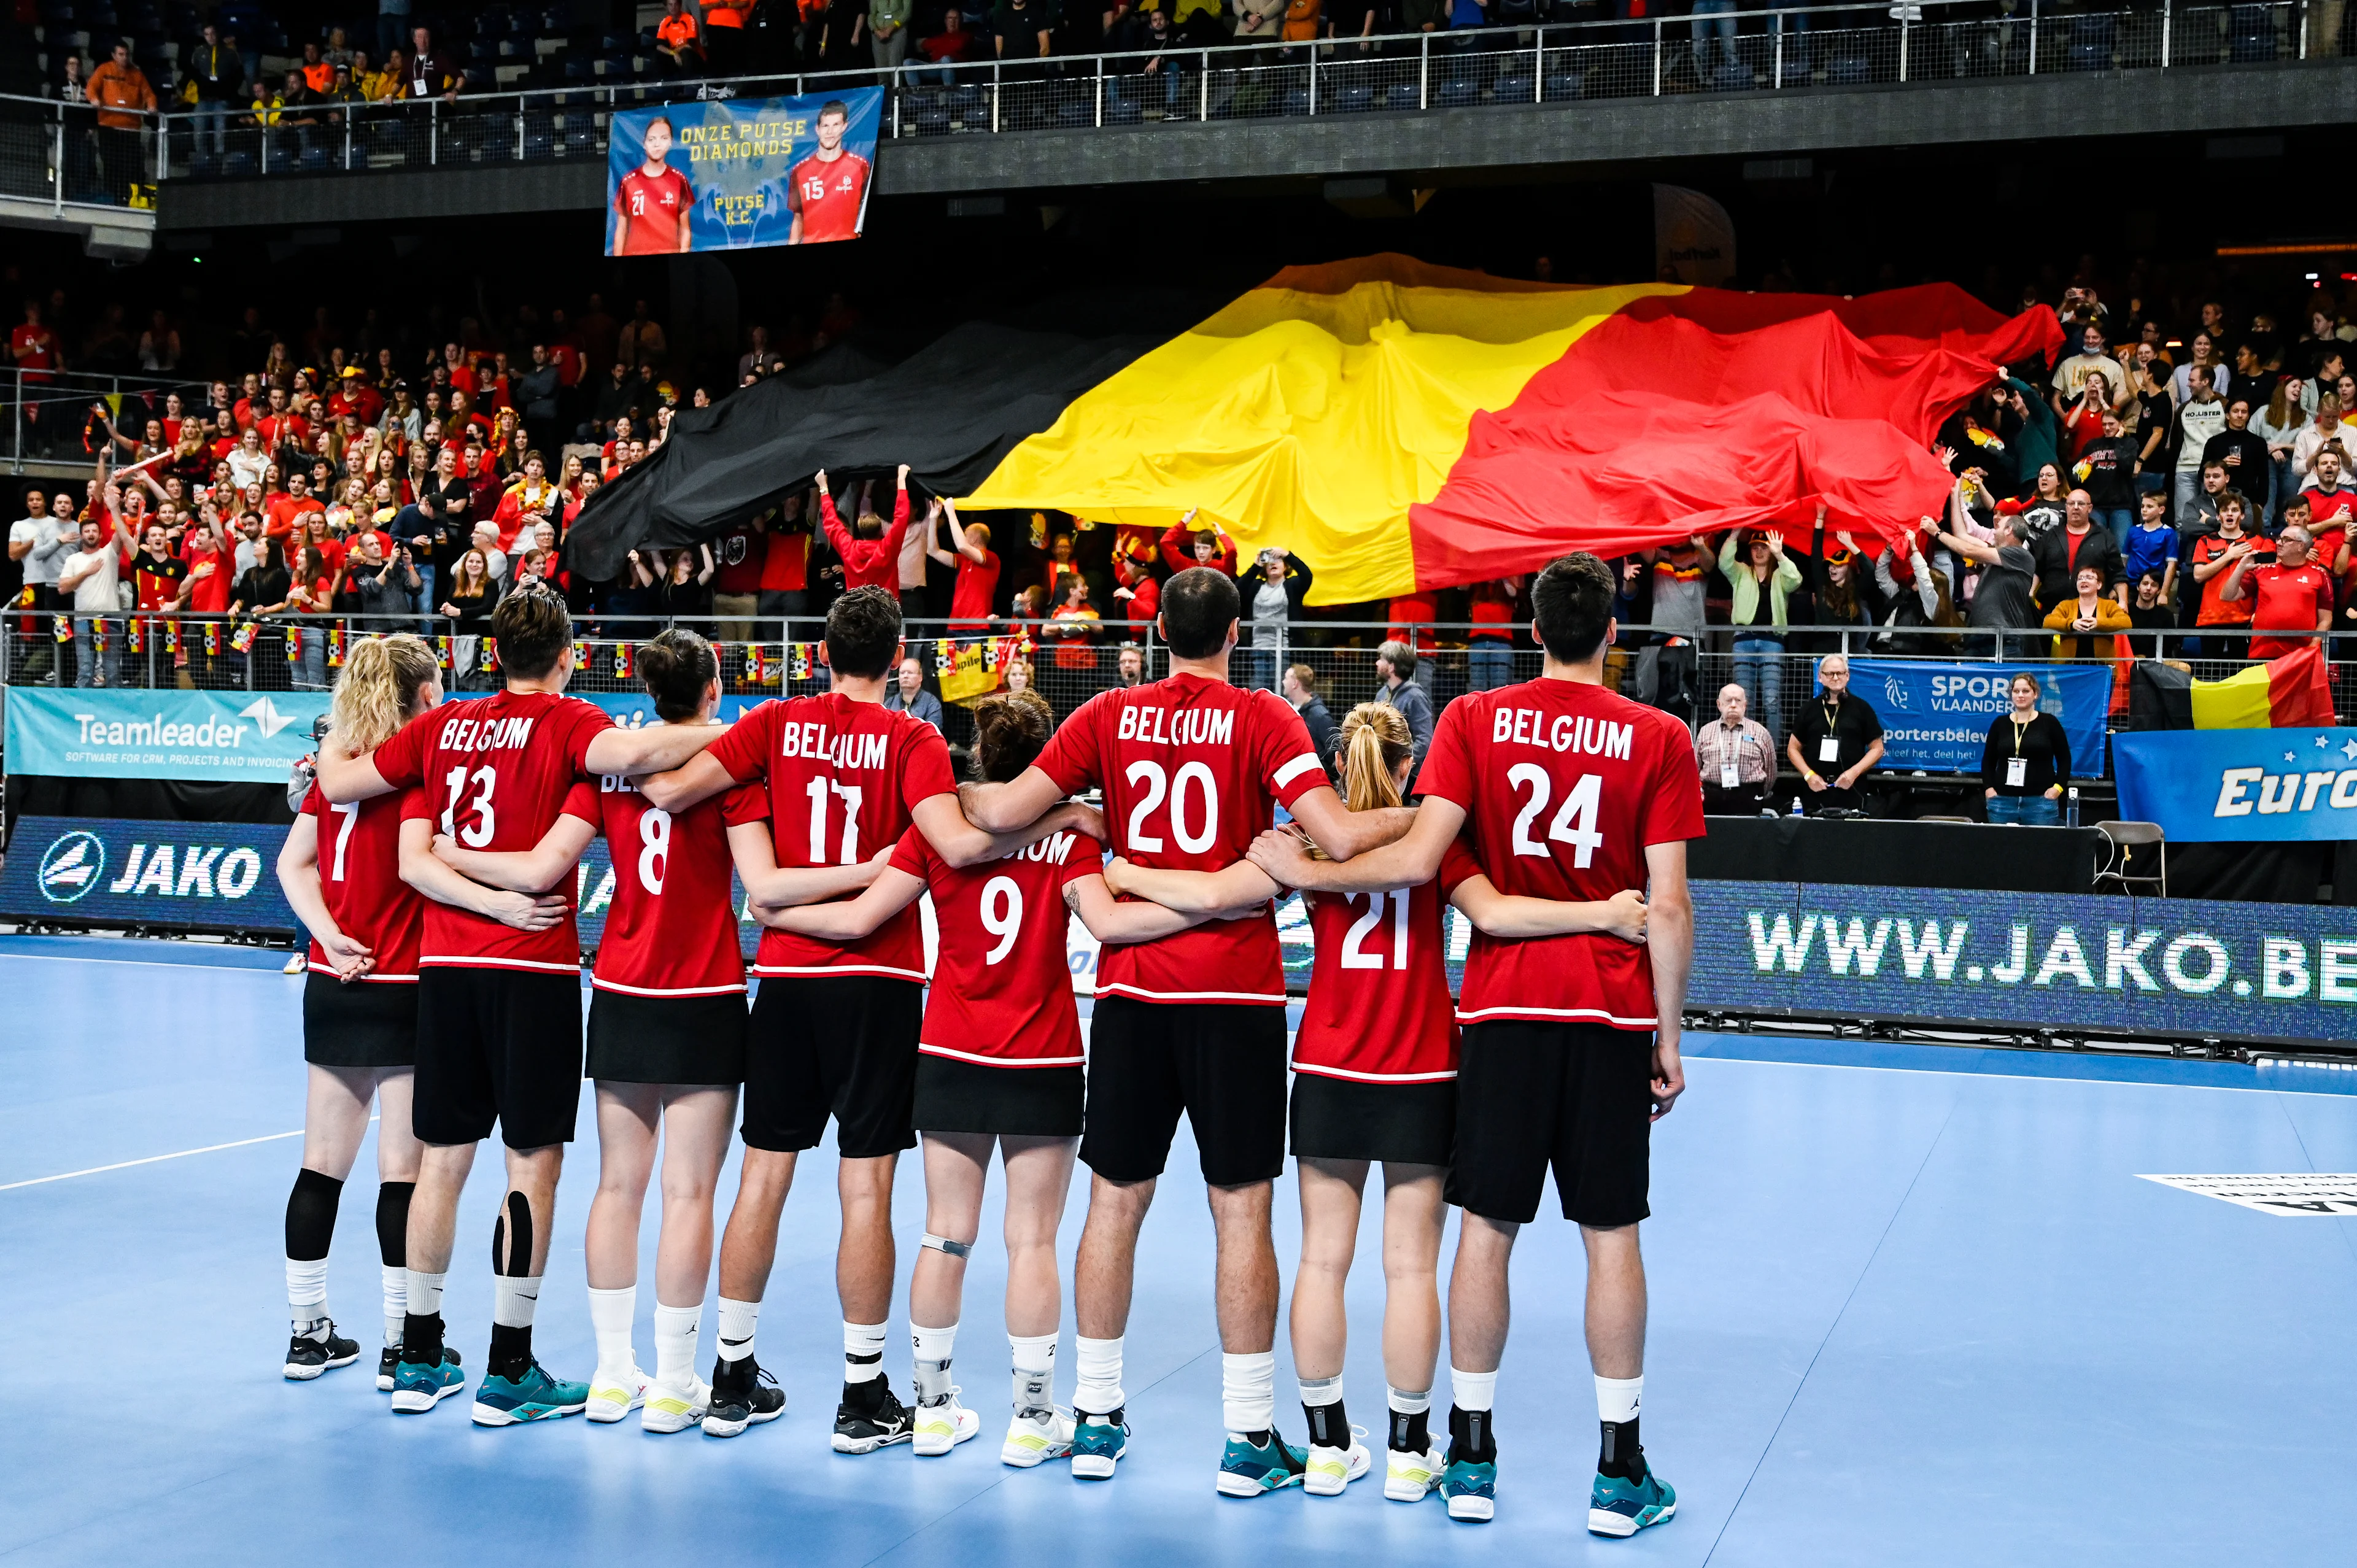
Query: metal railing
(1724, 50)
(49, 415)
(777, 656)
(59, 153)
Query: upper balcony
(1749, 83)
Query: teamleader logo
(71, 866)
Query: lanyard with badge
(1829, 748)
(1728, 778)
(2016, 766)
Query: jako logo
(71, 866)
(265, 713)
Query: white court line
(151, 1159)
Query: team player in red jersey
(999, 1062)
(499, 1004)
(828, 190)
(1193, 1023)
(340, 868)
(666, 1036)
(834, 1026)
(653, 201)
(1570, 792)
(1374, 1068)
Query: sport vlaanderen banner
(732, 174)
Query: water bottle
(1796, 805)
(2070, 811)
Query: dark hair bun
(1010, 730)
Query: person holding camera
(386, 582)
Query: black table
(1875, 852)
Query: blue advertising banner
(732, 174)
(1936, 717)
(2207, 786)
(111, 871)
(207, 736)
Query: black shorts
(497, 1045)
(1343, 1119)
(1577, 1096)
(955, 1096)
(667, 1039)
(365, 1023)
(839, 1046)
(1221, 1063)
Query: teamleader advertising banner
(206, 736)
(732, 174)
(2206, 786)
(1937, 716)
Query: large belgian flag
(1404, 427)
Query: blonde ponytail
(1375, 741)
(377, 691)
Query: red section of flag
(2300, 690)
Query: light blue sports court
(1911, 1304)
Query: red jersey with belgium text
(844, 778)
(830, 194)
(672, 927)
(495, 773)
(1191, 768)
(359, 877)
(1379, 1010)
(652, 208)
(1002, 991)
(1564, 786)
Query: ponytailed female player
(1375, 1067)
(999, 1062)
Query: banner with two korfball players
(731, 173)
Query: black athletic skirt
(1341, 1119)
(667, 1039)
(954, 1096)
(365, 1023)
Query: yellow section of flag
(2239, 702)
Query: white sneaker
(1331, 1469)
(1035, 1437)
(668, 1409)
(942, 1427)
(1410, 1477)
(615, 1394)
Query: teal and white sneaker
(1617, 1506)
(668, 1409)
(1248, 1469)
(1035, 1436)
(1471, 1490)
(942, 1427)
(417, 1387)
(1410, 1478)
(1332, 1469)
(615, 1394)
(535, 1396)
(1097, 1442)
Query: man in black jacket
(2059, 553)
(214, 67)
(1299, 686)
(2249, 467)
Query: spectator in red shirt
(1073, 627)
(285, 511)
(1134, 585)
(873, 558)
(2291, 599)
(1185, 545)
(977, 570)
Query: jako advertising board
(206, 736)
(1937, 716)
(731, 173)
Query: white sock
(737, 1319)
(675, 1329)
(1098, 1363)
(1035, 1371)
(306, 1289)
(611, 1313)
(396, 1301)
(514, 1300)
(1248, 1392)
(1619, 1399)
(863, 1351)
(1472, 1391)
(424, 1295)
(1322, 1390)
(1408, 1402)
(931, 1374)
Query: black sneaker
(312, 1352)
(743, 1392)
(385, 1368)
(877, 1421)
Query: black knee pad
(393, 1221)
(511, 1239)
(311, 1215)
